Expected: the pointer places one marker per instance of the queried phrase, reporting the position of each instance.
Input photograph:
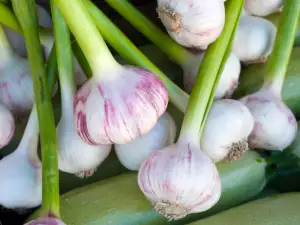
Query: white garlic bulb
(195, 23)
(131, 155)
(46, 221)
(254, 39)
(226, 130)
(7, 126)
(263, 7)
(228, 81)
(180, 179)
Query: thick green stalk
(133, 55)
(209, 70)
(5, 49)
(175, 51)
(87, 35)
(8, 18)
(279, 59)
(26, 14)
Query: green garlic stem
(26, 14)
(8, 18)
(5, 48)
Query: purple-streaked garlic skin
(46, 221)
(228, 81)
(275, 125)
(132, 155)
(180, 179)
(226, 130)
(193, 23)
(263, 7)
(7, 126)
(117, 109)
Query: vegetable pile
(185, 130)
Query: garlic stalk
(254, 39)
(74, 155)
(188, 61)
(275, 124)
(193, 24)
(46, 221)
(226, 131)
(263, 7)
(7, 126)
(132, 154)
(113, 105)
(181, 179)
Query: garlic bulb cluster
(21, 172)
(228, 81)
(275, 125)
(195, 23)
(7, 126)
(180, 179)
(132, 154)
(226, 130)
(254, 39)
(46, 221)
(124, 105)
(263, 7)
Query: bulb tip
(237, 150)
(170, 210)
(86, 173)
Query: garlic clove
(263, 7)
(195, 23)
(275, 125)
(7, 126)
(228, 81)
(180, 179)
(226, 130)
(46, 221)
(132, 154)
(120, 108)
(254, 39)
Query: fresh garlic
(46, 221)
(180, 179)
(263, 7)
(228, 81)
(226, 130)
(254, 39)
(131, 155)
(7, 125)
(195, 23)
(21, 172)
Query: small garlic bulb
(7, 126)
(228, 81)
(263, 7)
(117, 109)
(194, 23)
(226, 130)
(46, 221)
(254, 39)
(275, 125)
(131, 155)
(180, 179)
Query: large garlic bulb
(194, 23)
(131, 155)
(7, 126)
(263, 7)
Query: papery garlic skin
(254, 39)
(228, 81)
(7, 126)
(132, 155)
(180, 179)
(263, 7)
(275, 125)
(226, 130)
(195, 23)
(125, 105)
(46, 221)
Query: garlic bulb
(228, 81)
(180, 179)
(263, 7)
(275, 125)
(195, 23)
(131, 155)
(21, 172)
(254, 39)
(226, 130)
(46, 221)
(124, 105)
(7, 126)
(17, 41)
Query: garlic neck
(5, 48)
(47, 43)
(67, 98)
